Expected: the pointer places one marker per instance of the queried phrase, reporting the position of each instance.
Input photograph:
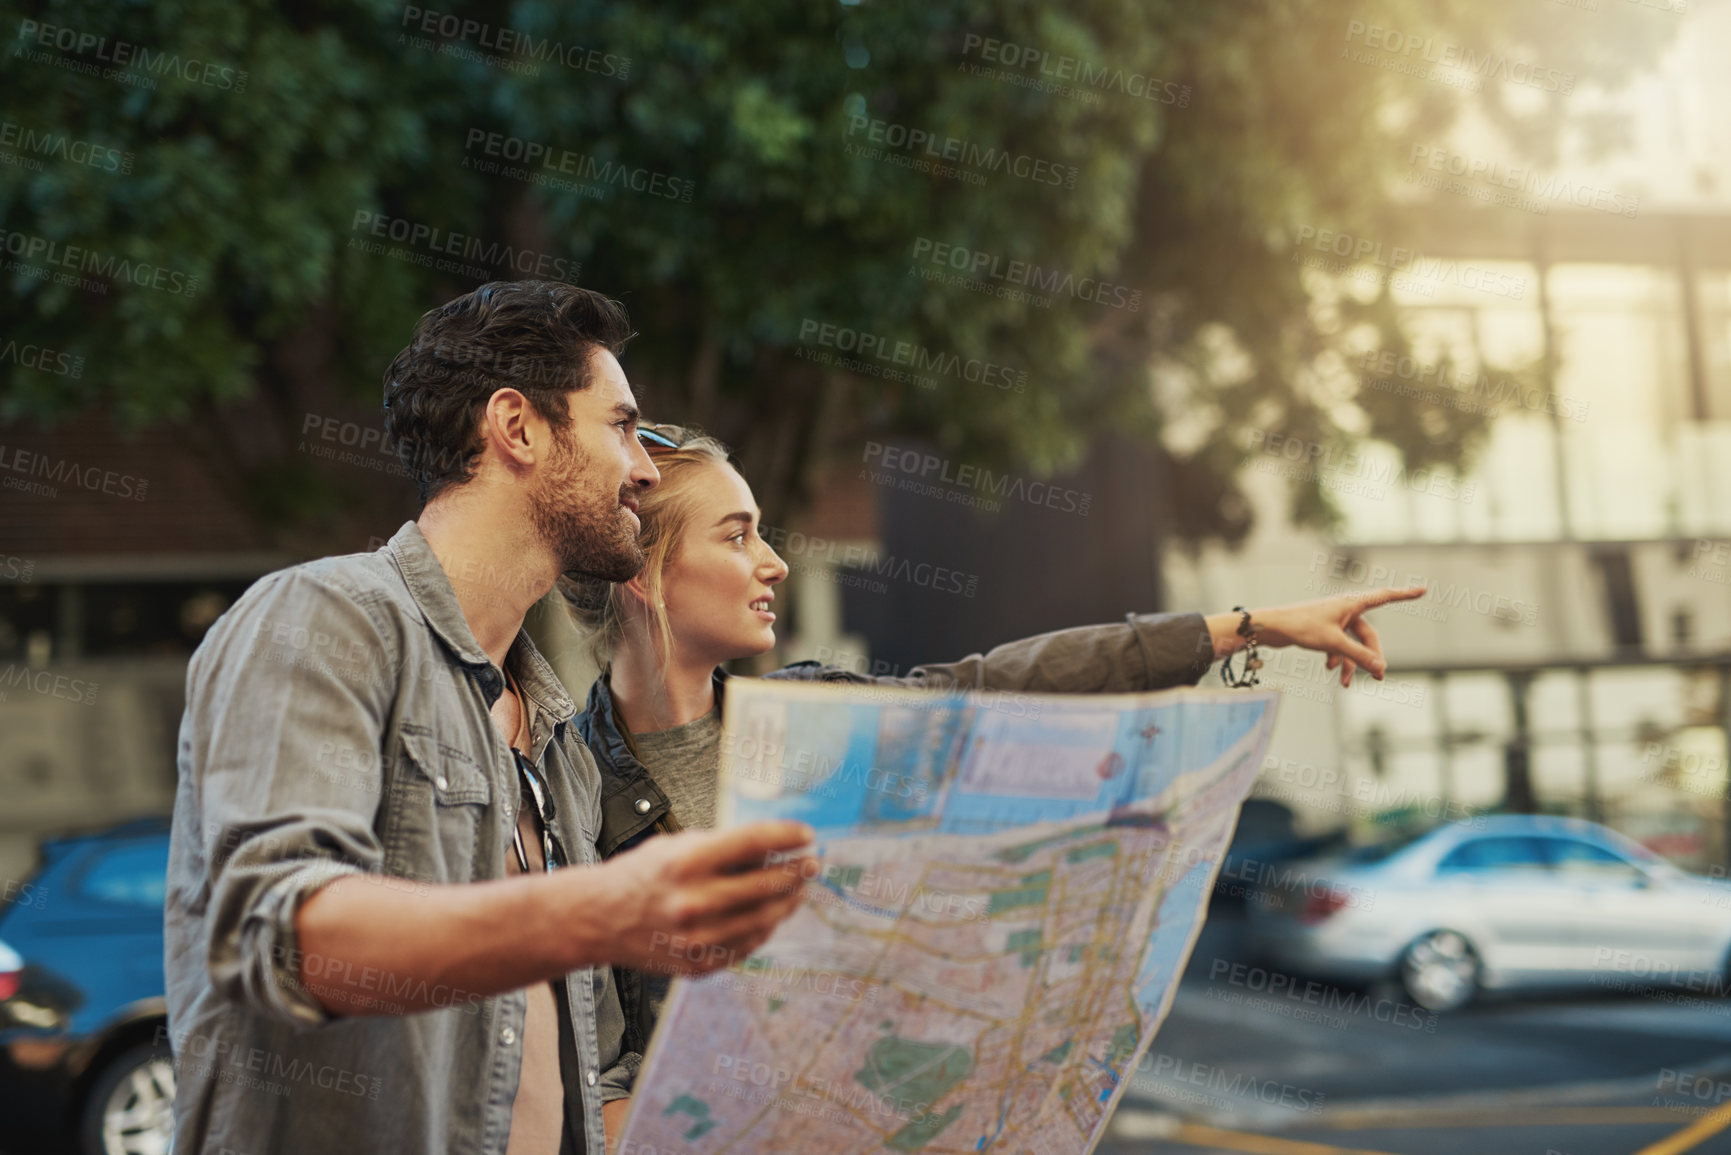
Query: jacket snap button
(643, 806)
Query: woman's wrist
(1223, 629)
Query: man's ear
(505, 422)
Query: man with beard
(373, 939)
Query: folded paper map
(1008, 888)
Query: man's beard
(588, 532)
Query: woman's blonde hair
(665, 512)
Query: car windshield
(131, 874)
(1642, 854)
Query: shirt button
(442, 783)
(643, 806)
(590, 1078)
(507, 1036)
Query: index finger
(1381, 597)
(743, 847)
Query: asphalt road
(1252, 1062)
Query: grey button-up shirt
(337, 724)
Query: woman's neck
(650, 696)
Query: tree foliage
(725, 187)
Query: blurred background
(1020, 316)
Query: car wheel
(1440, 972)
(130, 1107)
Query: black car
(1263, 840)
(83, 1042)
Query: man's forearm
(687, 903)
(372, 949)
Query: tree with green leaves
(999, 227)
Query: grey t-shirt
(685, 762)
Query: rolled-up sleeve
(289, 700)
(1144, 652)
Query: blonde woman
(706, 595)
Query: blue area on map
(852, 786)
(848, 899)
(1110, 1073)
(845, 784)
(1178, 908)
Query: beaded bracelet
(1252, 662)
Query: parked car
(83, 1050)
(1505, 902)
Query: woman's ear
(637, 589)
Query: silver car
(1496, 903)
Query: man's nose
(644, 475)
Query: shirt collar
(431, 588)
(603, 723)
(538, 681)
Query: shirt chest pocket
(456, 778)
(442, 812)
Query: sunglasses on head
(662, 436)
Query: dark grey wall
(1033, 566)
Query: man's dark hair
(533, 336)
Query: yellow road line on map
(1692, 1135)
(1249, 1144)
